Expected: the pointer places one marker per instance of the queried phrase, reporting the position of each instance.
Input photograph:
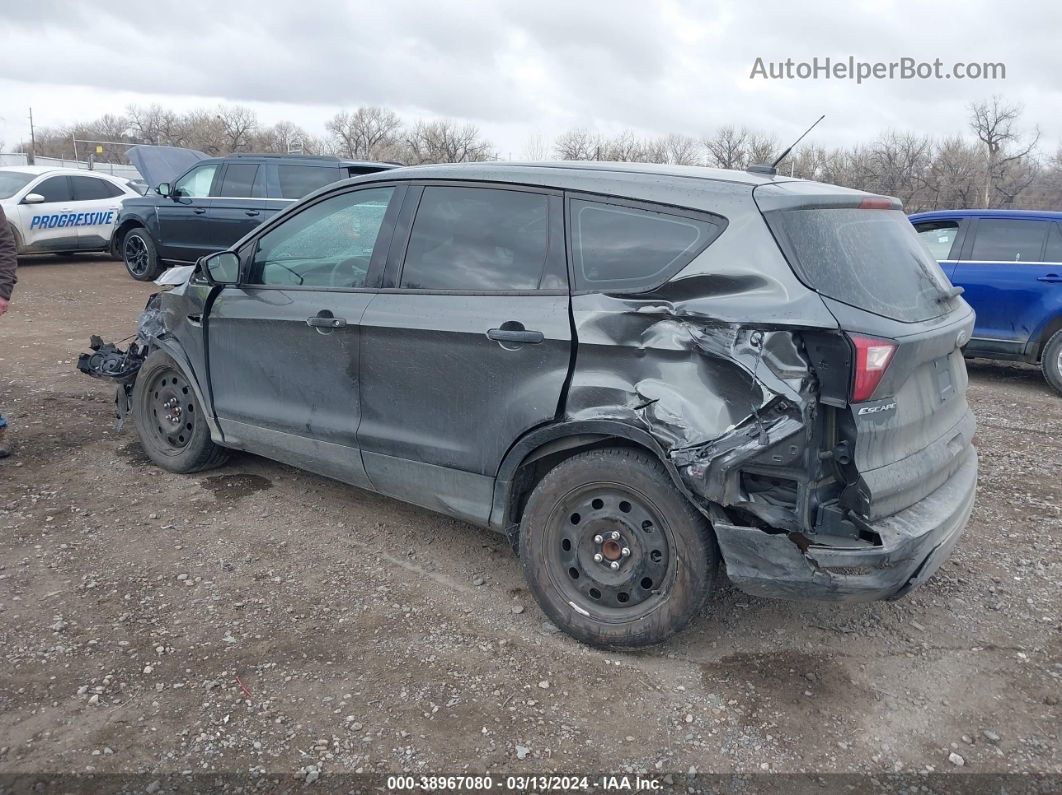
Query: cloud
(517, 67)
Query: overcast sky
(527, 67)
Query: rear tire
(619, 504)
(140, 256)
(1051, 361)
(169, 419)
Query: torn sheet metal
(107, 360)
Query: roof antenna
(773, 167)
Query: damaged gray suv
(636, 373)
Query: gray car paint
(713, 371)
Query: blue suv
(1010, 264)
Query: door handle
(318, 321)
(1051, 277)
(199, 210)
(251, 213)
(515, 335)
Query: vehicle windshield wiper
(949, 293)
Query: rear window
(870, 259)
(297, 181)
(619, 248)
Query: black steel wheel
(610, 549)
(173, 416)
(169, 420)
(614, 552)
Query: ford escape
(637, 373)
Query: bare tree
(898, 164)
(284, 137)
(579, 144)
(761, 148)
(727, 147)
(206, 132)
(994, 124)
(154, 124)
(238, 124)
(536, 148)
(680, 150)
(445, 141)
(369, 133)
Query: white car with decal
(61, 210)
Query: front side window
(54, 189)
(617, 248)
(329, 244)
(93, 189)
(474, 239)
(196, 183)
(938, 237)
(1008, 240)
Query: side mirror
(163, 189)
(33, 198)
(220, 268)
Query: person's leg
(4, 452)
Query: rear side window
(475, 239)
(870, 259)
(54, 189)
(93, 188)
(938, 237)
(239, 180)
(297, 181)
(619, 248)
(1054, 245)
(1007, 240)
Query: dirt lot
(258, 618)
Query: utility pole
(33, 144)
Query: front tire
(1051, 361)
(615, 555)
(140, 256)
(169, 419)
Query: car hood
(162, 163)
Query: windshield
(11, 182)
(871, 259)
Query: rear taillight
(872, 359)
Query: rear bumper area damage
(913, 544)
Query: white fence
(115, 169)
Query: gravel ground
(259, 619)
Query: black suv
(214, 203)
(634, 372)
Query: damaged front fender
(108, 360)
